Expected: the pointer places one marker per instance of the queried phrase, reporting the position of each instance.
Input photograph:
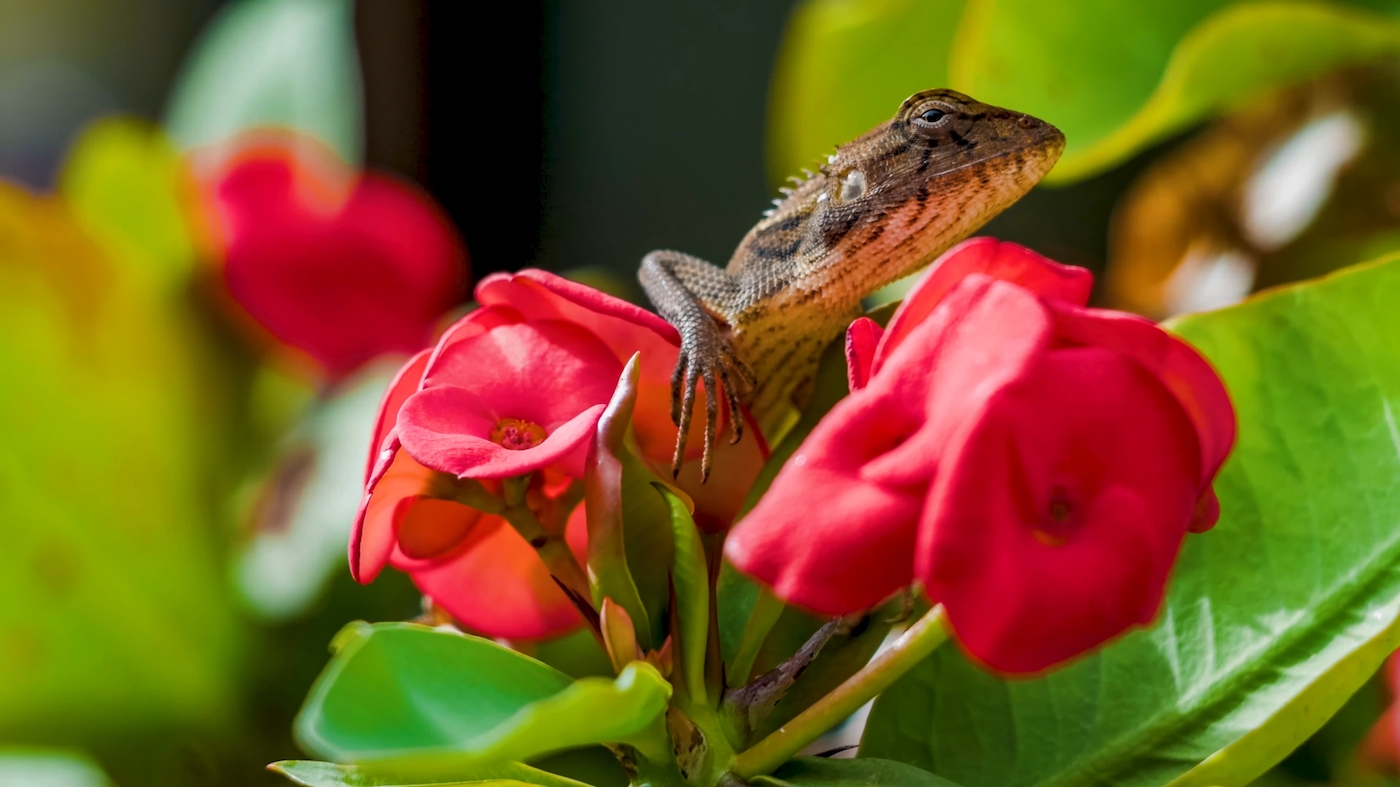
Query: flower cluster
(512, 394)
(1034, 464)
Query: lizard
(879, 208)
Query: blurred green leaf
(1236, 53)
(279, 63)
(845, 65)
(113, 609)
(1087, 68)
(325, 774)
(49, 768)
(429, 701)
(302, 511)
(1114, 76)
(1272, 620)
(823, 772)
(128, 186)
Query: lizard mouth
(1034, 159)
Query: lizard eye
(852, 185)
(932, 115)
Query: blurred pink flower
(338, 265)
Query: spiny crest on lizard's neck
(940, 143)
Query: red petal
(1177, 364)
(625, 328)
(1087, 428)
(500, 588)
(861, 340)
(824, 538)
(397, 478)
(443, 429)
(1005, 261)
(983, 335)
(835, 531)
(549, 373)
(431, 530)
(1207, 512)
(404, 385)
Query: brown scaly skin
(882, 207)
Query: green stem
(912, 647)
(551, 547)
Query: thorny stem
(551, 547)
(912, 647)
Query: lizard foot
(712, 360)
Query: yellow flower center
(517, 435)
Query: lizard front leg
(687, 291)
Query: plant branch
(912, 647)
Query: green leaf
(1114, 76)
(421, 700)
(748, 611)
(49, 768)
(118, 425)
(690, 577)
(1086, 70)
(1272, 619)
(649, 544)
(128, 186)
(1237, 53)
(823, 772)
(845, 65)
(629, 539)
(282, 63)
(324, 774)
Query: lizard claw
(715, 364)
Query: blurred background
(224, 224)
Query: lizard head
(945, 141)
(911, 187)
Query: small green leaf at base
(310, 773)
(823, 772)
(423, 701)
(691, 581)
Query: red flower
(1381, 746)
(1033, 463)
(515, 387)
(338, 265)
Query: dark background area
(568, 136)
(555, 134)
